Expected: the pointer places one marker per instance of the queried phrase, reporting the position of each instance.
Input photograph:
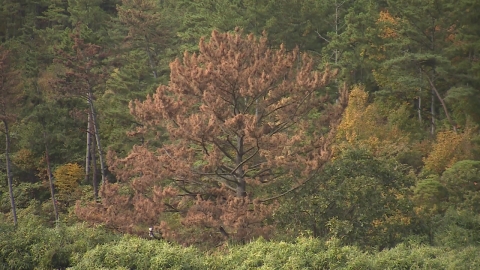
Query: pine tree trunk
(336, 28)
(95, 173)
(419, 108)
(89, 145)
(97, 138)
(9, 172)
(241, 184)
(432, 47)
(50, 180)
(432, 112)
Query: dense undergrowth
(34, 244)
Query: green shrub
(135, 253)
(32, 244)
(306, 253)
(457, 229)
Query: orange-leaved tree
(245, 124)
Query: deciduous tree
(359, 198)
(449, 148)
(462, 183)
(67, 180)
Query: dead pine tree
(243, 121)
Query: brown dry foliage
(140, 17)
(82, 70)
(237, 116)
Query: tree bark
(97, 137)
(50, 180)
(444, 106)
(9, 172)
(241, 183)
(432, 47)
(432, 112)
(89, 145)
(95, 173)
(419, 108)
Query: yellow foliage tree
(449, 147)
(387, 24)
(67, 181)
(367, 126)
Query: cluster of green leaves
(358, 198)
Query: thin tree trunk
(420, 101)
(336, 29)
(419, 109)
(9, 172)
(241, 183)
(50, 180)
(95, 173)
(432, 112)
(432, 47)
(89, 145)
(444, 106)
(97, 138)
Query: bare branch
(320, 36)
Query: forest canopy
(231, 126)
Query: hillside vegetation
(223, 134)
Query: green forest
(239, 134)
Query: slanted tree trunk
(444, 106)
(9, 172)
(50, 180)
(97, 136)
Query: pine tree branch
(320, 36)
(233, 172)
(290, 190)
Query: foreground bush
(136, 253)
(306, 253)
(33, 245)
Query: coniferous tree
(146, 29)
(10, 97)
(237, 118)
(84, 74)
(414, 37)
